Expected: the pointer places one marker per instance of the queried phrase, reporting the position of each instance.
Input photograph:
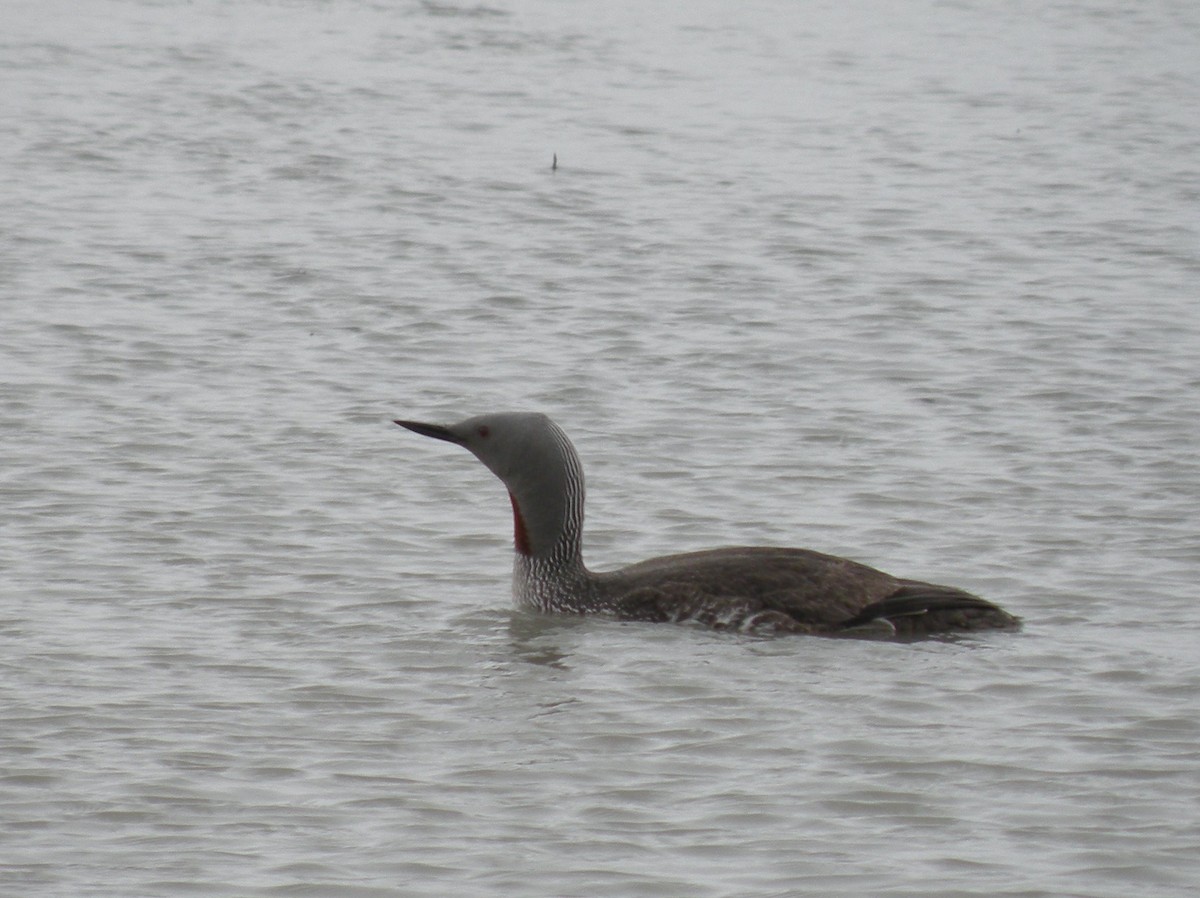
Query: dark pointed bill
(437, 431)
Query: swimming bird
(752, 589)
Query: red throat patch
(520, 534)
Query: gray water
(909, 282)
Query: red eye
(483, 431)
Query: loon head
(538, 465)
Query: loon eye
(483, 430)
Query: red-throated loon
(751, 589)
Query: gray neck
(548, 572)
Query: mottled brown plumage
(755, 589)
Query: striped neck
(548, 569)
(547, 501)
(547, 584)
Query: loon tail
(917, 609)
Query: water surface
(913, 284)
